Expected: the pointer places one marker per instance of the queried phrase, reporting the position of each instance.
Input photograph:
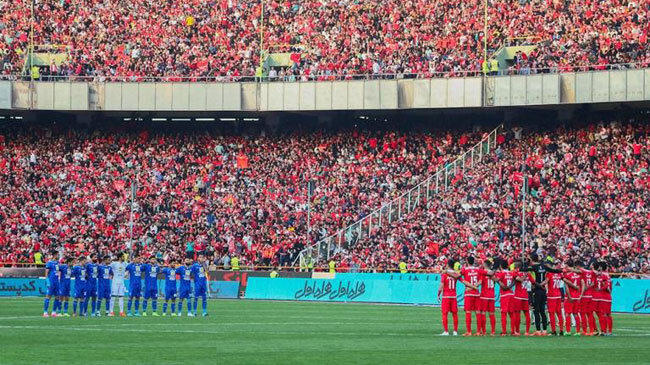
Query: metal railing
(399, 207)
(328, 77)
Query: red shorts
(572, 306)
(449, 305)
(555, 305)
(586, 305)
(487, 305)
(505, 303)
(472, 304)
(603, 306)
(519, 305)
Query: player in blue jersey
(52, 275)
(170, 288)
(79, 275)
(151, 271)
(134, 273)
(104, 285)
(185, 288)
(92, 274)
(65, 270)
(200, 285)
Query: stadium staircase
(400, 207)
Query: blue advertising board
(22, 287)
(630, 295)
(38, 287)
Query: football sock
(468, 321)
(504, 322)
(189, 305)
(74, 307)
(455, 318)
(112, 306)
(129, 305)
(444, 322)
(493, 322)
(66, 305)
(560, 318)
(145, 304)
(93, 305)
(552, 320)
(527, 321)
(46, 305)
(204, 304)
(602, 321)
(165, 307)
(583, 317)
(173, 307)
(137, 305)
(196, 303)
(120, 302)
(107, 305)
(592, 322)
(610, 323)
(154, 305)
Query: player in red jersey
(486, 298)
(575, 286)
(506, 279)
(520, 300)
(447, 295)
(553, 283)
(586, 303)
(603, 298)
(471, 279)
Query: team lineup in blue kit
(97, 280)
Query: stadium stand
(69, 190)
(588, 197)
(176, 40)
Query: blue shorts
(135, 291)
(104, 292)
(53, 289)
(151, 293)
(185, 293)
(80, 291)
(170, 293)
(91, 291)
(199, 290)
(64, 289)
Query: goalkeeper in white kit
(117, 289)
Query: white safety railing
(399, 207)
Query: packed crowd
(70, 191)
(221, 38)
(587, 198)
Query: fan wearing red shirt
(471, 278)
(506, 279)
(553, 284)
(586, 303)
(447, 296)
(574, 284)
(486, 299)
(520, 301)
(603, 298)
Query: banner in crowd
(630, 295)
(38, 287)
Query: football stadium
(324, 181)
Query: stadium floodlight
(158, 119)
(181, 119)
(204, 119)
(227, 119)
(251, 119)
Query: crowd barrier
(27, 287)
(629, 295)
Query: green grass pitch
(245, 332)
